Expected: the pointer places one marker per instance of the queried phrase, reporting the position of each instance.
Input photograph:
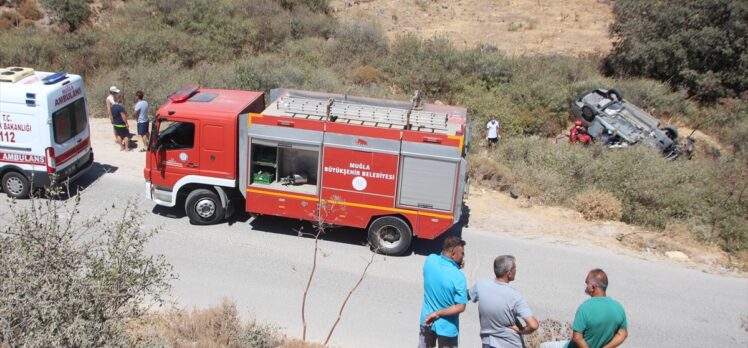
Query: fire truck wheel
(390, 235)
(16, 185)
(203, 207)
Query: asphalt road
(263, 265)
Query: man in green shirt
(600, 321)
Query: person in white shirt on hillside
(493, 128)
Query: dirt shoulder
(496, 211)
(516, 27)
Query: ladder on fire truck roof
(363, 114)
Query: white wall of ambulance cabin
(17, 115)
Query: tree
(699, 45)
(73, 282)
(71, 12)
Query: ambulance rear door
(68, 119)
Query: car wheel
(203, 207)
(16, 185)
(671, 131)
(589, 113)
(615, 93)
(390, 235)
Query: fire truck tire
(390, 235)
(203, 207)
(16, 185)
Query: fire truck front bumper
(158, 195)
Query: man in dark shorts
(492, 132)
(119, 121)
(141, 114)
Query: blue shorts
(142, 128)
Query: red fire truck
(396, 169)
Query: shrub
(70, 12)
(699, 45)
(707, 195)
(364, 75)
(598, 205)
(11, 18)
(30, 47)
(431, 66)
(68, 281)
(29, 10)
(487, 172)
(357, 44)
(217, 326)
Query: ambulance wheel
(390, 235)
(203, 207)
(16, 185)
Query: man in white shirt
(493, 128)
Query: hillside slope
(514, 26)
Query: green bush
(72, 282)
(699, 45)
(70, 12)
(707, 195)
(598, 205)
(431, 66)
(357, 44)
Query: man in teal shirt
(444, 295)
(600, 321)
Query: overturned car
(616, 122)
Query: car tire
(589, 113)
(16, 185)
(672, 132)
(203, 207)
(615, 93)
(390, 235)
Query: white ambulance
(44, 133)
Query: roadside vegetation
(159, 45)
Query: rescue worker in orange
(579, 134)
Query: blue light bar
(55, 78)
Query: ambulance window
(69, 121)
(176, 135)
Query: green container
(262, 177)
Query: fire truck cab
(44, 133)
(396, 169)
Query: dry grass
(30, 10)
(214, 327)
(365, 75)
(517, 27)
(598, 205)
(10, 18)
(487, 172)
